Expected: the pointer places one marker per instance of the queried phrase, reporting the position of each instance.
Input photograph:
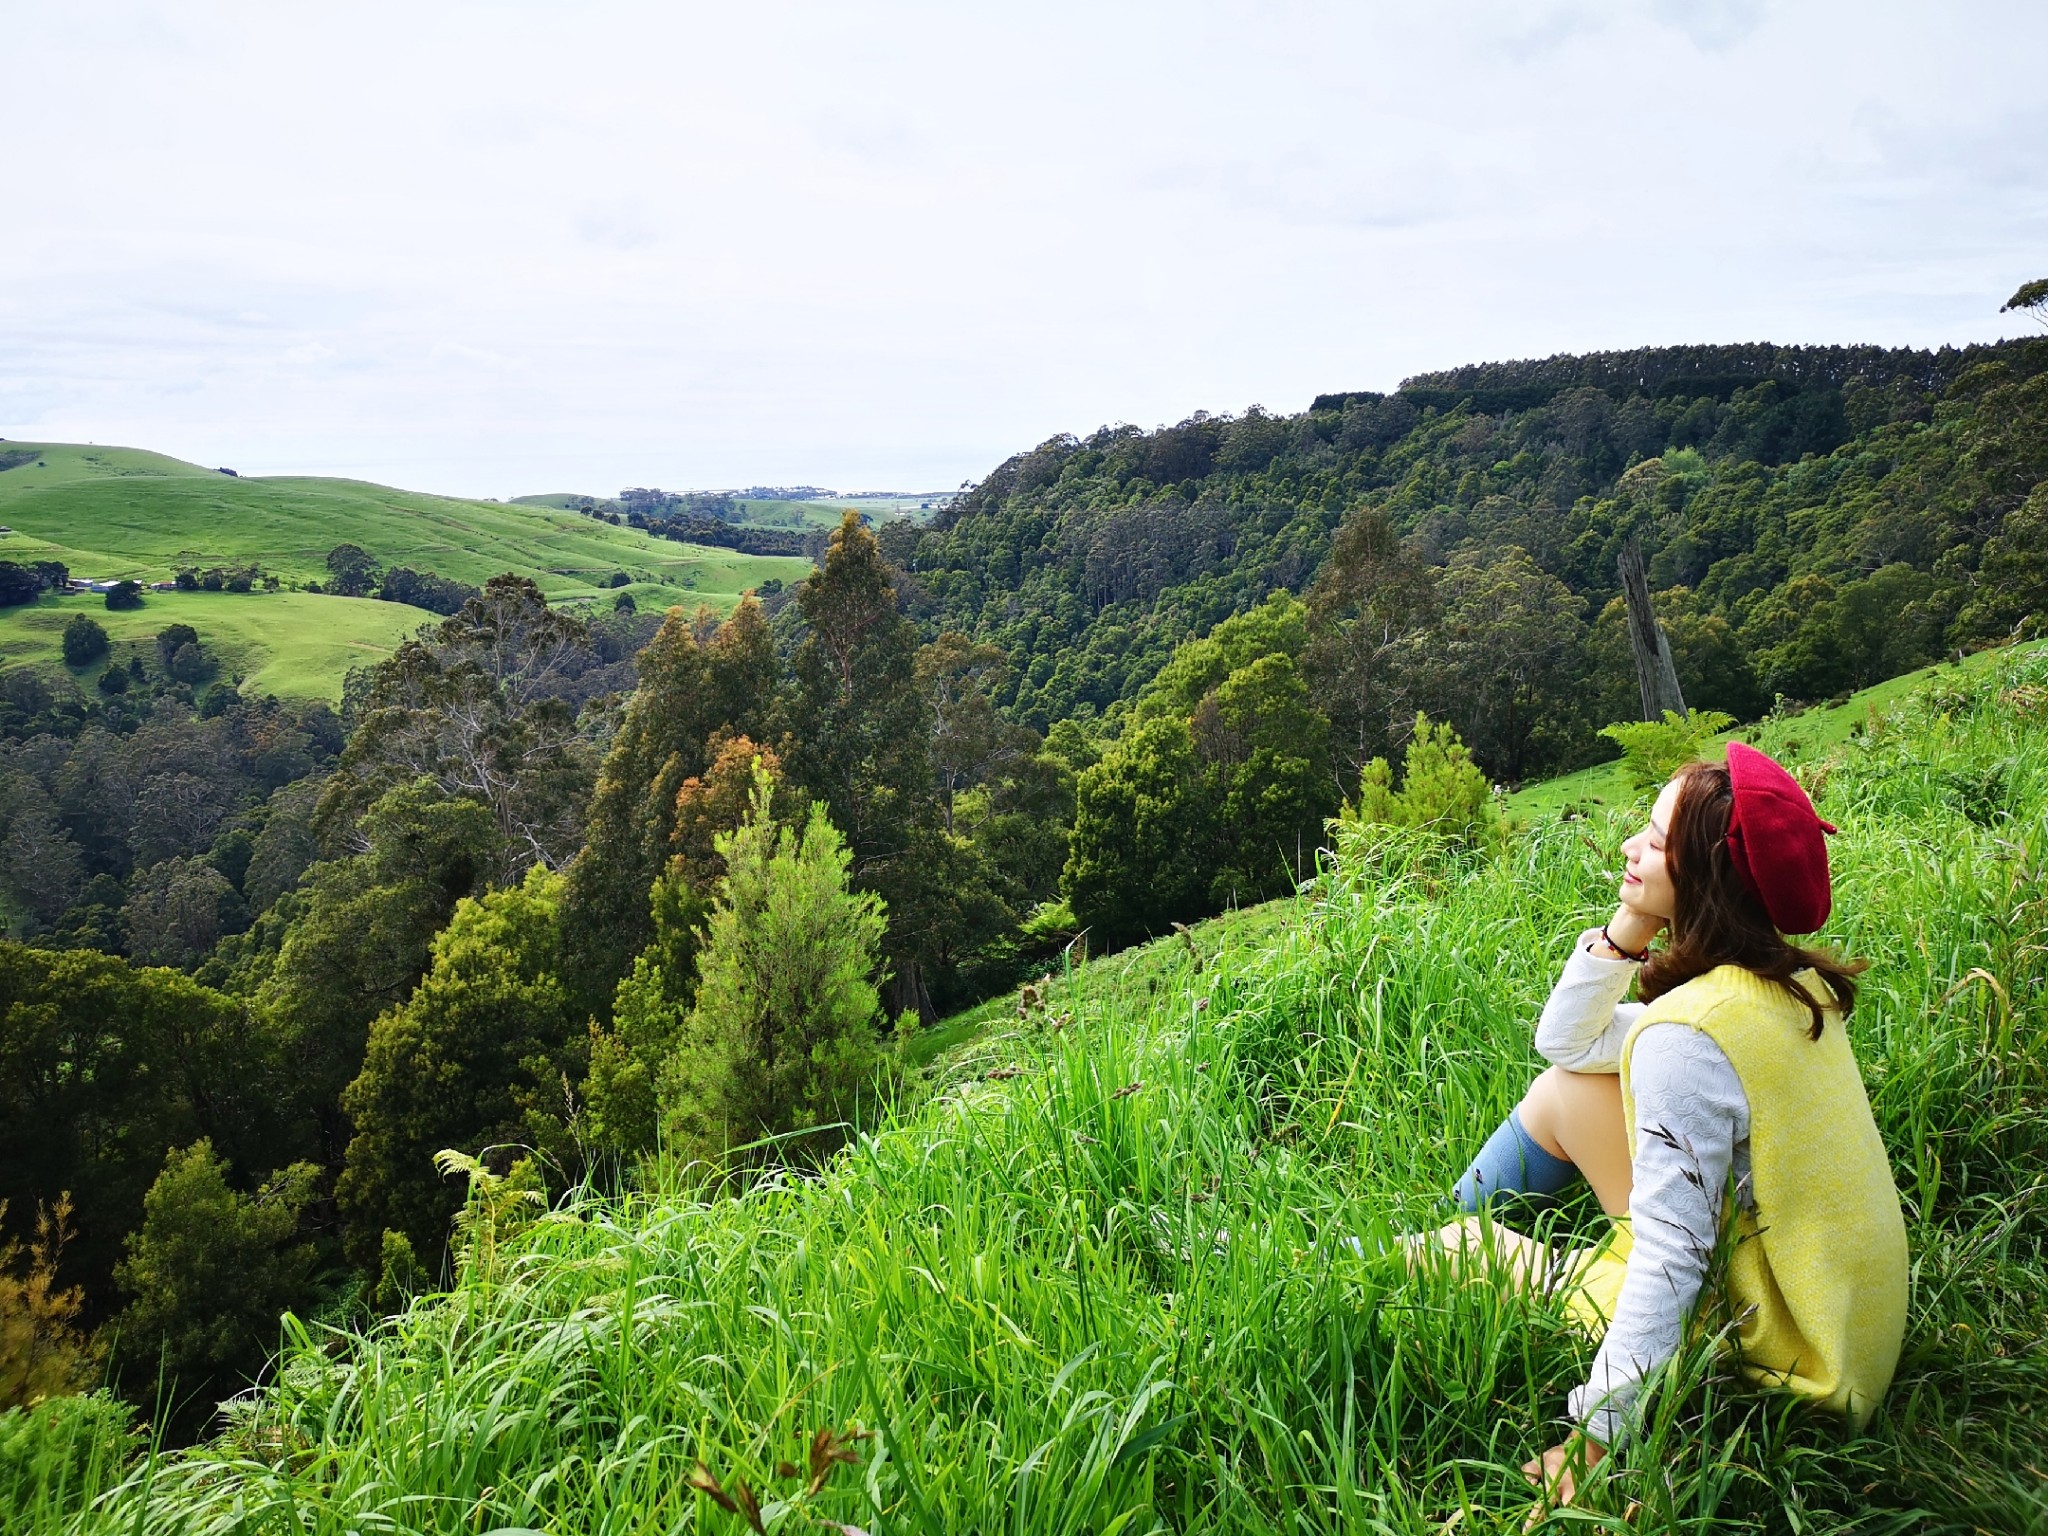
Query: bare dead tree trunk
(1656, 675)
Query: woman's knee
(1538, 1110)
(1561, 1102)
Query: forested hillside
(1814, 519)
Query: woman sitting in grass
(1734, 1070)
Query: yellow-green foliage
(782, 1035)
(1653, 750)
(1442, 792)
(57, 1454)
(495, 1208)
(43, 1353)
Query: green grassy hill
(1094, 1282)
(122, 512)
(292, 644)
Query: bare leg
(1577, 1116)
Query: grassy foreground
(1092, 1283)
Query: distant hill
(111, 513)
(800, 509)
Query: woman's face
(1646, 880)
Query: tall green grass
(1095, 1281)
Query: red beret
(1776, 840)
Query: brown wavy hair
(1717, 920)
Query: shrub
(84, 641)
(114, 679)
(1442, 791)
(125, 595)
(42, 1352)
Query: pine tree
(1442, 791)
(654, 997)
(783, 1032)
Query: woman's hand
(1556, 1473)
(1631, 928)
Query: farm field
(1092, 1279)
(111, 513)
(292, 644)
(122, 512)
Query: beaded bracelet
(1608, 939)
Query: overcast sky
(507, 247)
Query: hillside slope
(111, 513)
(121, 512)
(295, 645)
(1095, 1283)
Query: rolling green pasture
(109, 513)
(121, 512)
(1094, 1281)
(292, 644)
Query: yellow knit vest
(1817, 1278)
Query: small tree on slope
(783, 1032)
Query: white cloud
(495, 248)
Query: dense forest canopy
(1784, 496)
(265, 962)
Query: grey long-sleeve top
(1692, 1123)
